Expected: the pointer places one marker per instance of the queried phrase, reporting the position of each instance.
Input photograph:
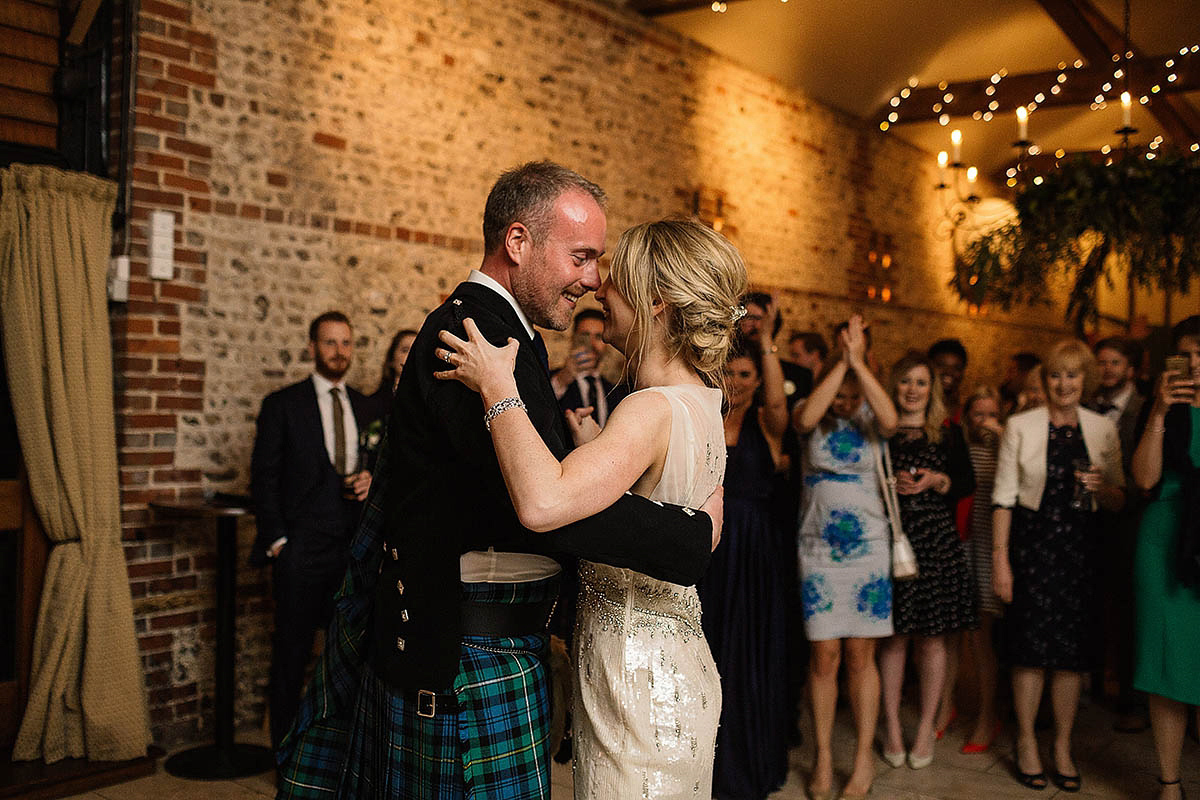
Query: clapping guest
(1056, 464)
(932, 470)
(743, 594)
(845, 560)
(1166, 568)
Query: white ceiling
(856, 54)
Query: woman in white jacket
(1057, 463)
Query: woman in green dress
(1167, 566)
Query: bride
(648, 693)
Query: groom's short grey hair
(526, 194)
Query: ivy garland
(1146, 211)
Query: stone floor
(1113, 766)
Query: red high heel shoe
(949, 721)
(971, 748)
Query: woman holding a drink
(1167, 565)
(1056, 465)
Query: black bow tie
(1102, 407)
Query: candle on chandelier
(943, 159)
(1022, 123)
(972, 175)
(1126, 110)
(956, 146)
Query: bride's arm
(548, 494)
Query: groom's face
(562, 267)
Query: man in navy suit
(308, 490)
(578, 383)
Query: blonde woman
(648, 693)
(1056, 464)
(933, 470)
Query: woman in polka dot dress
(933, 470)
(845, 559)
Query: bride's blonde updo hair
(698, 275)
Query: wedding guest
(932, 471)
(949, 360)
(1117, 398)
(809, 350)
(579, 382)
(744, 593)
(764, 320)
(1033, 390)
(1056, 464)
(1166, 568)
(845, 558)
(981, 420)
(1015, 378)
(393, 365)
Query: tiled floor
(1113, 766)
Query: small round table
(225, 758)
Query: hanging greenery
(1145, 211)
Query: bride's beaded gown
(647, 693)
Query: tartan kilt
(488, 740)
(353, 733)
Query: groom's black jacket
(446, 496)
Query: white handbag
(904, 560)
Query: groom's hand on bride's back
(714, 506)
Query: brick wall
(337, 154)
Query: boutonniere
(370, 437)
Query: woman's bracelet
(499, 407)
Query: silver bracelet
(499, 407)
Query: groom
(453, 699)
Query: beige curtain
(86, 696)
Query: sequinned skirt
(648, 697)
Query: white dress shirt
(350, 428)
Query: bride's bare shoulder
(646, 408)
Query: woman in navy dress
(744, 594)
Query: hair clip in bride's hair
(737, 312)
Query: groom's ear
(657, 306)
(518, 243)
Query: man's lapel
(310, 420)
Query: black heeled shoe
(1182, 794)
(1032, 780)
(1068, 783)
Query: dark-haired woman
(393, 365)
(743, 595)
(1167, 565)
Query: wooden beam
(1080, 87)
(1097, 40)
(659, 8)
(83, 21)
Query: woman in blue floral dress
(845, 558)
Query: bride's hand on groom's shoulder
(477, 364)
